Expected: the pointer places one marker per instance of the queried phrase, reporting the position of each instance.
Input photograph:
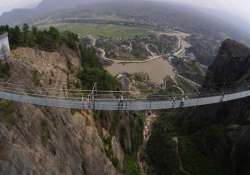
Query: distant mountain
(53, 5)
(232, 19)
(18, 16)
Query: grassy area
(106, 30)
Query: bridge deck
(121, 105)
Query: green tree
(25, 35)
(92, 71)
(49, 40)
(70, 39)
(54, 36)
(34, 30)
(25, 28)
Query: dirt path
(114, 61)
(148, 124)
(150, 52)
(180, 89)
(181, 168)
(183, 45)
(190, 81)
(93, 40)
(150, 119)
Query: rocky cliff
(231, 67)
(211, 139)
(39, 140)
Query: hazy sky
(7, 5)
(238, 7)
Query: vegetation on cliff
(47, 129)
(203, 146)
(4, 70)
(50, 39)
(92, 72)
(128, 129)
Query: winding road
(180, 51)
(103, 57)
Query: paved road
(121, 105)
(106, 59)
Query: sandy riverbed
(157, 69)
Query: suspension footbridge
(105, 103)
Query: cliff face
(39, 140)
(230, 68)
(212, 139)
(51, 141)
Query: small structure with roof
(4, 46)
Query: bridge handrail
(100, 97)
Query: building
(4, 46)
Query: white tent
(4, 46)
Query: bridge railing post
(93, 94)
(120, 103)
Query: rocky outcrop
(231, 67)
(52, 141)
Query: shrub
(4, 70)
(45, 133)
(7, 110)
(35, 77)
